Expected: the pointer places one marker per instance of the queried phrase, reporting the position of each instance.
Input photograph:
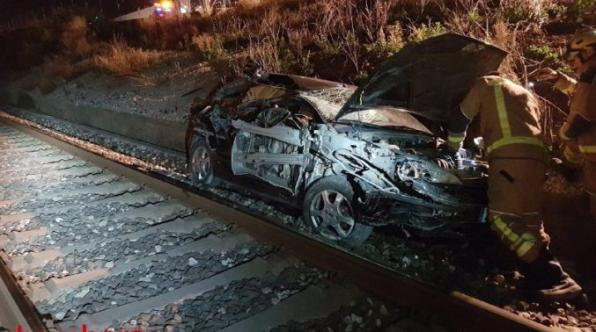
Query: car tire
(328, 210)
(201, 163)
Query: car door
(272, 149)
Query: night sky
(11, 9)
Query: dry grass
(508, 39)
(335, 39)
(208, 46)
(267, 55)
(285, 35)
(207, 7)
(353, 36)
(248, 4)
(123, 60)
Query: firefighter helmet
(583, 40)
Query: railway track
(90, 242)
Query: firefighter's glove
(463, 154)
(462, 158)
(577, 126)
(561, 82)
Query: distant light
(183, 10)
(167, 5)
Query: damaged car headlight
(410, 170)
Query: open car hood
(427, 78)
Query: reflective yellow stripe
(516, 244)
(520, 244)
(456, 138)
(505, 128)
(515, 140)
(572, 157)
(504, 228)
(587, 148)
(529, 241)
(502, 111)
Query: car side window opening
(303, 114)
(271, 117)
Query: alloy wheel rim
(201, 164)
(332, 215)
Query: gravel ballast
(467, 264)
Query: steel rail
(457, 311)
(24, 307)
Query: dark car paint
(428, 78)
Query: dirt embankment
(160, 92)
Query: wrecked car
(351, 158)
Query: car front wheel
(328, 210)
(201, 163)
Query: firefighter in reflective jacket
(509, 124)
(579, 131)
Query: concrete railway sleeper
(107, 207)
(240, 288)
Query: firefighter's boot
(547, 282)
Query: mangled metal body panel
(277, 155)
(394, 170)
(401, 176)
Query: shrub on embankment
(120, 59)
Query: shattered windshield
(328, 101)
(386, 117)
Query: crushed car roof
(303, 83)
(427, 78)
